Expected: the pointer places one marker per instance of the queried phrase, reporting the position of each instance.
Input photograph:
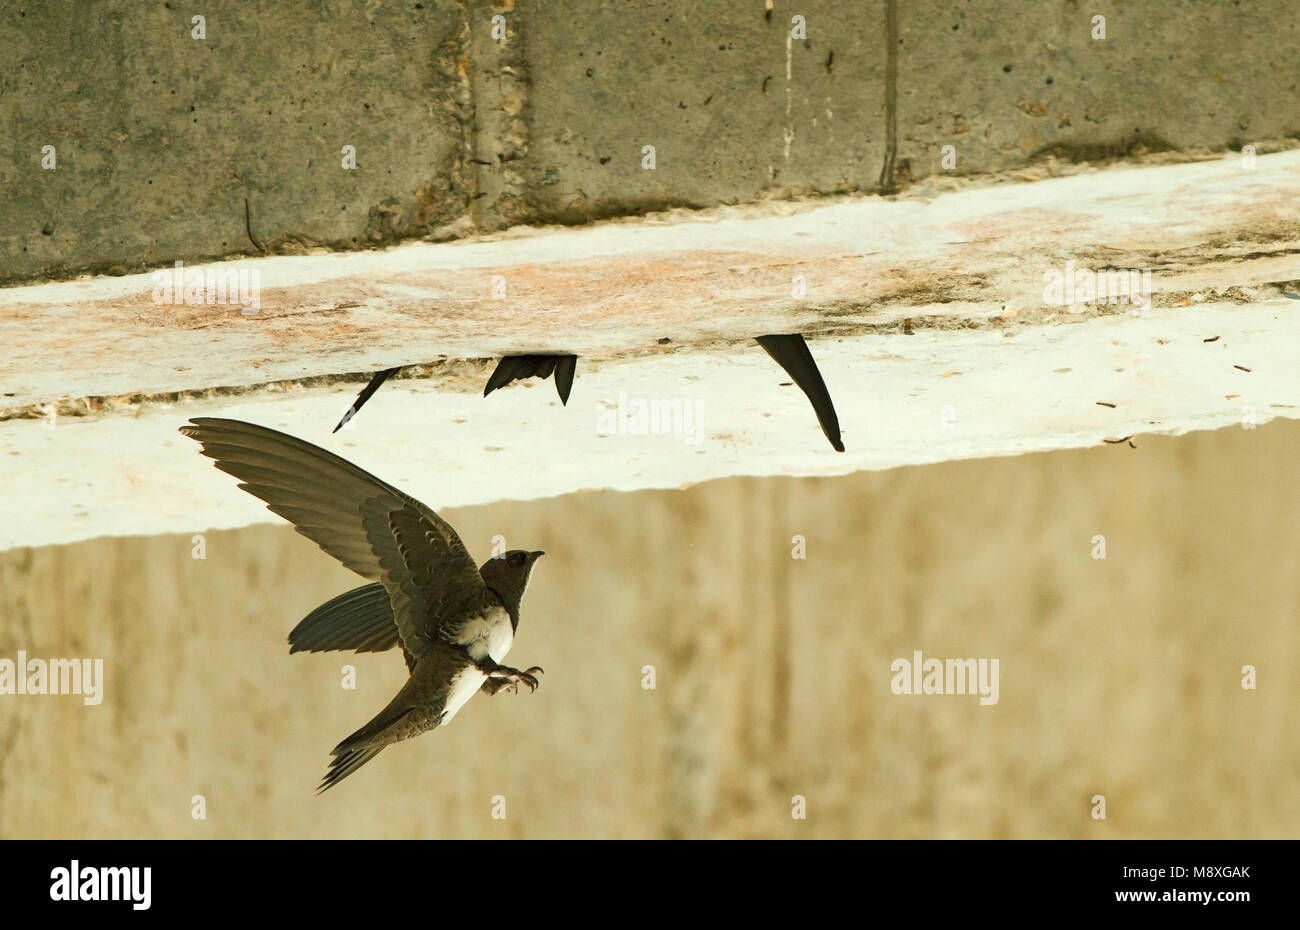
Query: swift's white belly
(463, 687)
(488, 636)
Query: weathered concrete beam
(927, 318)
(928, 397)
(974, 258)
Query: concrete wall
(1119, 677)
(161, 137)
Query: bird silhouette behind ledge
(510, 368)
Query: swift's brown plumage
(439, 605)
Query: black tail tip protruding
(790, 351)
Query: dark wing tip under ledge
(790, 351)
(366, 392)
(518, 367)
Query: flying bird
(454, 621)
(791, 353)
(510, 368)
(518, 367)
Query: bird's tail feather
(365, 743)
(373, 732)
(345, 764)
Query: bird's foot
(505, 677)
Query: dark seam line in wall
(472, 171)
(891, 96)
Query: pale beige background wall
(1119, 677)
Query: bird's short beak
(537, 555)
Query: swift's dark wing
(565, 367)
(379, 378)
(368, 525)
(791, 353)
(518, 367)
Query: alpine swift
(454, 621)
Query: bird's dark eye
(516, 560)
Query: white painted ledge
(987, 369)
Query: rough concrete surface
(1006, 83)
(160, 137)
(735, 108)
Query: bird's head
(507, 575)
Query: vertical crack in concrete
(788, 130)
(453, 64)
(499, 88)
(891, 97)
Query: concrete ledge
(969, 259)
(903, 400)
(927, 319)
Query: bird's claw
(528, 679)
(511, 677)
